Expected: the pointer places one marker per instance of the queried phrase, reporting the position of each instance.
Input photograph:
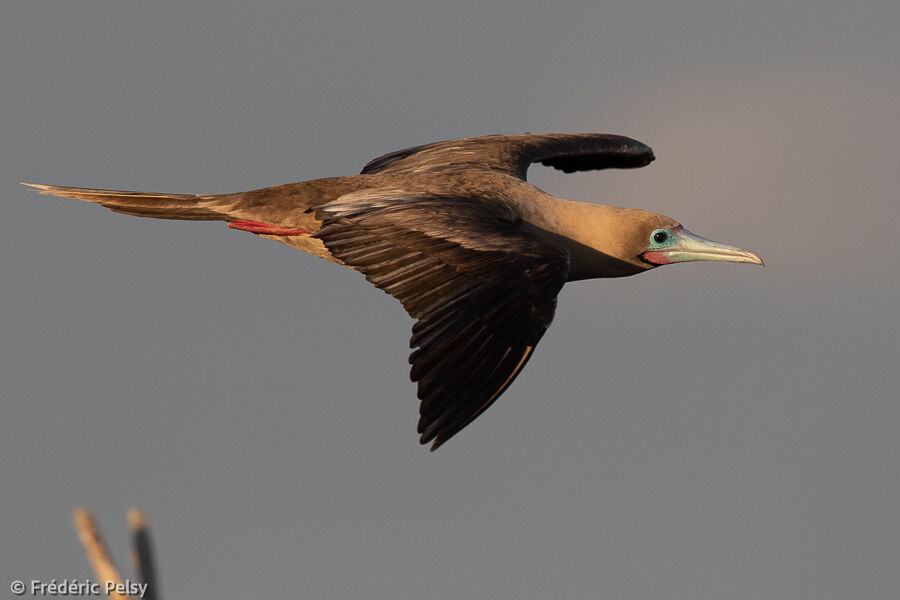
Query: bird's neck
(595, 235)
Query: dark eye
(660, 236)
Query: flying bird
(453, 230)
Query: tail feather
(159, 206)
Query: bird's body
(452, 229)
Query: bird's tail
(159, 206)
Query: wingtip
(436, 441)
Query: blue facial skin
(662, 238)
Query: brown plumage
(452, 230)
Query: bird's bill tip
(691, 247)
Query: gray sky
(701, 431)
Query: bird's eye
(660, 237)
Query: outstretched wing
(513, 154)
(483, 292)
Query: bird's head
(609, 241)
(664, 241)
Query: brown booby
(454, 232)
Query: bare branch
(98, 555)
(108, 576)
(142, 552)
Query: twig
(98, 555)
(142, 555)
(102, 562)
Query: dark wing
(513, 154)
(483, 291)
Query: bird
(453, 230)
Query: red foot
(255, 227)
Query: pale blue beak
(691, 246)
